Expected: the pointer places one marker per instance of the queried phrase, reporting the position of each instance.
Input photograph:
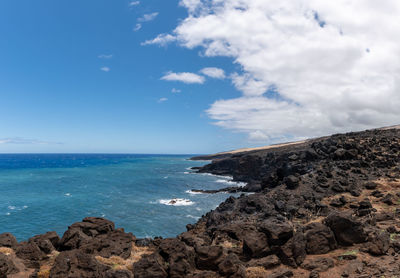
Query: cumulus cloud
(162, 39)
(105, 69)
(148, 17)
(213, 72)
(185, 77)
(333, 65)
(163, 99)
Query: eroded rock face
(77, 264)
(30, 253)
(47, 242)
(7, 266)
(151, 266)
(8, 240)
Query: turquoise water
(40, 193)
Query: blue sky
(193, 76)
(56, 98)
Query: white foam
(193, 192)
(234, 183)
(186, 173)
(8, 213)
(193, 217)
(176, 202)
(12, 207)
(67, 194)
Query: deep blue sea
(48, 192)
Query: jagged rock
(7, 266)
(281, 273)
(388, 199)
(278, 231)
(77, 264)
(319, 239)
(151, 266)
(8, 240)
(179, 257)
(30, 253)
(46, 242)
(378, 243)
(347, 230)
(231, 265)
(293, 252)
(314, 274)
(370, 185)
(255, 245)
(291, 182)
(209, 257)
(115, 243)
(266, 262)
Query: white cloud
(185, 77)
(175, 91)
(105, 56)
(162, 39)
(105, 69)
(25, 141)
(148, 17)
(163, 99)
(258, 136)
(137, 27)
(134, 3)
(334, 65)
(213, 72)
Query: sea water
(49, 192)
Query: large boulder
(278, 231)
(231, 265)
(80, 233)
(255, 244)
(378, 243)
(178, 255)
(7, 266)
(47, 242)
(8, 240)
(30, 253)
(116, 243)
(347, 230)
(319, 239)
(293, 252)
(77, 264)
(209, 257)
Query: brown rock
(7, 266)
(30, 253)
(319, 239)
(8, 240)
(151, 266)
(209, 257)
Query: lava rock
(319, 239)
(8, 240)
(150, 266)
(347, 230)
(7, 266)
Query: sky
(193, 76)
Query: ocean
(48, 192)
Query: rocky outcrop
(328, 205)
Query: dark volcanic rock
(319, 239)
(46, 242)
(30, 253)
(7, 266)
(77, 264)
(255, 244)
(209, 257)
(347, 230)
(8, 240)
(151, 266)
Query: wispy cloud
(185, 77)
(25, 141)
(105, 56)
(162, 39)
(163, 99)
(134, 3)
(213, 72)
(148, 17)
(105, 69)
(137, 27)
(175, 91)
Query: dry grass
(256, 272)
(44, 271)
(6, 251)
(119, 263)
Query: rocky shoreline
(327, 207)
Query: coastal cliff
(326, 207)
